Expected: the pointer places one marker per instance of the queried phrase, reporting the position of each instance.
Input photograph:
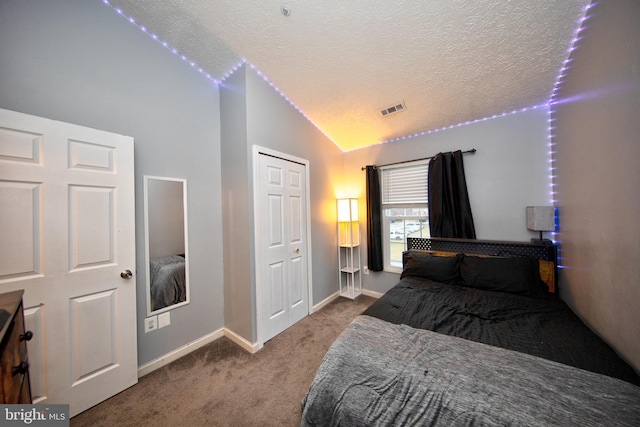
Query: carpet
(221, 384)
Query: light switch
(164, 319)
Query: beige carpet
(221, 384)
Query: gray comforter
(380, 374)
(167, 281)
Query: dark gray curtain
(374, 222)
(449, 209)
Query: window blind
(406, 184)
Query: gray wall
(239, 269)
(509, 171)
(598, 155)
(271, 122)
(77, 61)
(275, 124)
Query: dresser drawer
(14, 363)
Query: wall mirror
(166, 246)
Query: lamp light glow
(347, 210)
(348, 230)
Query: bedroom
(119, 80)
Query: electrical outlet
(150, 324)
(365, 269)
(164, 319)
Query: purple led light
(430, 131)
(164, 44)
(259, 73)
(565, 66)
(553, 101)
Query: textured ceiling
(340, 62)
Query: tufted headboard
(488, 247)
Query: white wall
(509, 171)
(597, 123)
(78, 61)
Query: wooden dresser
(14, 364)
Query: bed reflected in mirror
(166, 248)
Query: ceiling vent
(396, 108)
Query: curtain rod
(473, 150)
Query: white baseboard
(158, 363)
(242, 342)
(373, 294)
(325, 301)
(336, 295)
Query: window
(404, 209)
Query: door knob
(297, 250)
(126, 274)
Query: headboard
(488, 247)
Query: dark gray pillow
(443, 269)
(513, 275)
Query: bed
(167, 281)
(472, 334)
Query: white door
(67, 233)
(283, 239)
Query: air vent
(393, 109)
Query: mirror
(166, 250)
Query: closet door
(282, 223)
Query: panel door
(67, 233)
(283, 222)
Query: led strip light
(552, 100)
(402, 138)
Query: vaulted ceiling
(341, 62)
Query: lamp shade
(541, 218)
(347, 210)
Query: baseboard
(336, 295)
(158, 363)
(242, 342)
(372, 294)
(325, 301)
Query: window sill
(396, 270)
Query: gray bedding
(543, 327)
(381, 374)
(167, 281)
